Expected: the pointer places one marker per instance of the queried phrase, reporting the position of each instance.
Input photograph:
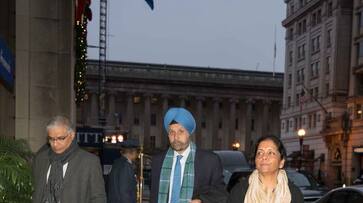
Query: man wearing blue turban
(184, 173)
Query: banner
(7, 65)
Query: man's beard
(179, 146)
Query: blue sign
(7, 65)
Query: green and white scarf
(188, 177)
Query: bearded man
(184, 173)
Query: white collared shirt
(64, 170)
(183, 160)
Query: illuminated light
(113, 139)
(301, 132)
(120, 138)
(359, 112)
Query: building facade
(317, 64)
(40, 36)
(229, 105)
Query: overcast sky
(216, 33)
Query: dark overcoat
(208, 177)
(122, 182)
(83, 181)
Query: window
(288, 102)
(153, 119)
(289, 81)
(291, 34)
(315, 44)
(301, 52)
(152, 142)
(291, 56)
(329, 9)
(328, 38)
(137, 99)
(360, 53)
(236, 124)
(287, 126)
(295, 124)
(310, 121)
(313, 19)
(328, 64)
(297, 99)
(314, 120)
(326, 89)
(314, 69)
(204, 125)
(220, 124)
(316, 92)
(253, 125)
(318, 16)
(136, 121)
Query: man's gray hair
(58, 121)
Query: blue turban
(181, 116)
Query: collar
(184, 154)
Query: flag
(150, 3)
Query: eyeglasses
(59, 139)
(269, 154)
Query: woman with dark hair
(268, 183)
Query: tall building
(317, 64)
(229, 105)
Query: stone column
(215, 125)
(248, 139)
(199, 119)
(164, 137)
(232, 122)
(93, 117)
(265, 118)
(147, 114)
(112, 117)
(129, 113)
(182, 100)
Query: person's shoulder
(85, 155)
(159, 155)
(296, 193)
(206, 154)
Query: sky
(233, 34)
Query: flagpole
(274, 58)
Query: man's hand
(196, 201)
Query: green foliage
(15, 171)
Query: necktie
(175, 193)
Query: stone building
(229, 105)
(40, 37)
(317, 64)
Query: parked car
(234, 165)
(351, 194)
(309, 187)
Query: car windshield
(299, 179)
(232, 159)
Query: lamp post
(301, 133)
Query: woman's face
(268, 159)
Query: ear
(73, 134)
(282, 163)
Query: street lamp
(301, 133)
